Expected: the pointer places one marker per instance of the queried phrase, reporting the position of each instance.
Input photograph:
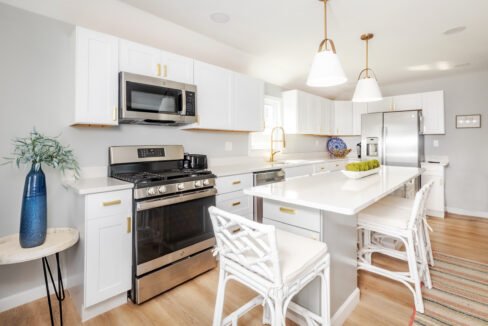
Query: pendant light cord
(325, 24)
(367, 67)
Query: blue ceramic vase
(33, 219)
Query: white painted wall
(467, 174)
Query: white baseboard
(346, 309)
(24, 297)
(461, 211)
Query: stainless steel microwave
(150, 100)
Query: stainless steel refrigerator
(394, 138)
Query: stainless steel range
(173, 234)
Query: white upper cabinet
(96, 79)
(248, 108)
(433, 113)
(343, 118)
(385, 105)
(407, 102)
(358, 109)
(301, 112)
(176, 67)
(214, 96)
(326, 117)
(139, 59)
(145, 60)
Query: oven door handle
(160, 202)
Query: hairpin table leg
(59, 291)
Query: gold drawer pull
(114, 114)
(237, 182)
(237, 203)
(165, 69)
(112, 203)
(129, 224)
(158, 67)
(287, 210)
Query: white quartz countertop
(96, 185)
(250, 167)
(334, 192)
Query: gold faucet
(283, 141)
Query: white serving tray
(360, 174)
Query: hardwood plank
(383, 301)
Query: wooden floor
(383, 302)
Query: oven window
(154, 99)
(166, 229)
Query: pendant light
(367, 89)
(326, 68)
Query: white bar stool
(408, 204)
(407, 226)
(274, 263)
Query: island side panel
(339, 232)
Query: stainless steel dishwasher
(263, 178)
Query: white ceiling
(282, 35)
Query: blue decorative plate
(335, 144)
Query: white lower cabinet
(100, 267)
(436, 201)
(329, 166)
(298, 171)
(293, 215)
(230, 196)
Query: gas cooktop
(144, 179)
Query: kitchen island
(325, 207)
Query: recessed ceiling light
(443, 65)
(420, 68)
(219, 17)
(455, 30)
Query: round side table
(57, 240)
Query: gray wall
(467, 174)
(37, 89)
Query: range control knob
(198, 183)
(151, 191)
(180, 186)
(206, 182)
(162, 189)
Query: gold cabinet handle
(112, 203)
(129, 224)
(158, 67)
(236, 182)
(165, 71)
(287, 210)
(114, 114)
(237, 203)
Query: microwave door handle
(149, 204)
(183, 102)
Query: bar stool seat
(297, 254)
(383, 216)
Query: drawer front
(430, 169)
(109, 203)
(235, 202)
(298, 171)
(234, 183)
(293, 229)
(302, 217)
(321, 168)
(336, 166)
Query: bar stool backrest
(419, 205)
(247, 243)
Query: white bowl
(359, 174)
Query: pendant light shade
(326, 68)
(367, 89)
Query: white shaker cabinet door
(248, 103)
(433, 113)
(140, 59)
(407, 102)
(214, 96)
(176, 68)
(343, 118)
(108, 257)
(96, 79)
(358, 110)
(326, 117)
